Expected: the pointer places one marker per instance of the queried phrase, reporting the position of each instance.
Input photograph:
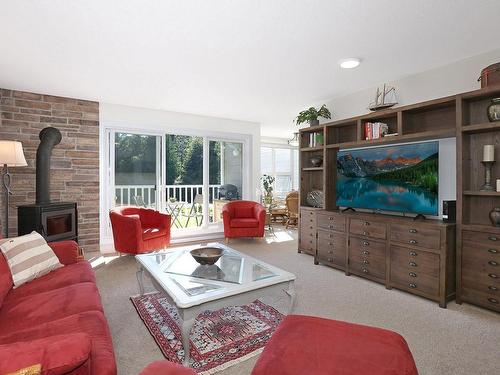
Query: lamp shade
(11, 153)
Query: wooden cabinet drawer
(368, 228)
(488, 239)
(368, 267)
(480, 251)
(404, 278)
(417, 261)
(361, 248)
(488, 300)
(331, 221)
(416, 236)
(331, 238)
(492, 287)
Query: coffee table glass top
(189, 282)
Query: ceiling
(256, 60)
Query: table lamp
(11, 155)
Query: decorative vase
(316, 160)
(494, 110)
(313, 122)
(268, 199)
(495, 216)
(315, 198)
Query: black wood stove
(55, 221)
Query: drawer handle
(310, 234)
(330, 252)
(365, 252)
(365, 243)
(365, 270)
(493, 288)
(311, 227)
(331, 226)
(412, 230)
(411, 285)
(330, 243)
(493, 251)
(366, 223)
(365, 262)
(492, 300)
(330, 218)
(493, 238)
(493, 263)
(412, 274)
(310, 241)
(365, 233)
(330, 259)
(413, 253)
(413, 242)
(412, 264)
(493, 276)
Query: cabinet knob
(365, 243)
(365, 270)
(412, 274)
(366, 223)
(330, 252)
(365, 233)
(492, 300)
(311, 227)
(493, 276)
(330, 259)
(413, 253)
(493, 288)
(412, 264)
(365, 252)
(331, 226)
(411, 285)
(330, 236)
(413, 242)
(493, 251)
(330, 218)
(365, 262)
(493, 238)
(412, 230)
(330, 243)
(493, 263)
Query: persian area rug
(219, 339)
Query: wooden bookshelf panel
(477, 208)
(309, 181)
(390, 119)
(306, 158)
(475, 108)
(342, 133)
(306, 135)
(473, 171)
(436, 117)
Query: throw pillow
(31, 370)
(5, 278)
(28, 257)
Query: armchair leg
(227, 239)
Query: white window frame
(293, 167)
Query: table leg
(188, 318)
(140, 280)
(292, 294)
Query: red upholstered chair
(166, 368)
(139, 230)
(243, 219)
(308, 345)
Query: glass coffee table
(235, 279)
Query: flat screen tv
(399, 178)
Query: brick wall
(75, 161)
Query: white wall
(451, 79)
(114, 116)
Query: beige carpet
(457, 340)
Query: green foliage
(313, 114)
(267, 183)
(424, 174)
(192, 165)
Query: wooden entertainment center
(429, 258)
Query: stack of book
(375, 130)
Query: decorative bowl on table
(207, 255)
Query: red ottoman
(307, 345)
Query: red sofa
(243, 219)
(56, 320)
(139, 230)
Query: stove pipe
(49, 137)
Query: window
(283, 164)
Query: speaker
(449, 211)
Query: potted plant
(267, 185)
(311, 115)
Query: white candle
(498, 186)
(489, 153)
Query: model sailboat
(384, 98)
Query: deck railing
(124, 194)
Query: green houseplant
(312, 114)
(267, 185)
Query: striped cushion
(28, 257)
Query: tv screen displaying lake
(402, 178)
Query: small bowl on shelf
(207, 255)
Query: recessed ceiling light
(351, 62)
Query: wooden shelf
(432, 134)
(481, 193)
(481, 128)
(313, 169)
(317, 148)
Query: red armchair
(139, 230)
(243, 219)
